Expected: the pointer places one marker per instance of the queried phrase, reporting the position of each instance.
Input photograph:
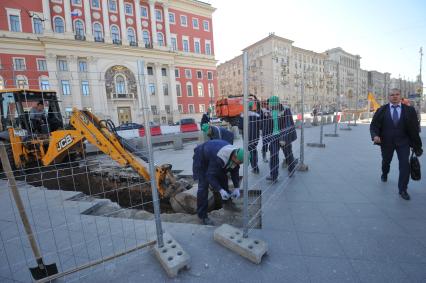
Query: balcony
(123, 96)
(99, 39)
(80, 37)
(133, 43)
(116, 41)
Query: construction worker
(218, 133)
(265, 115)
(253, 135)
(212, 161)
(38, 117)
(206, 117)
(288, 135)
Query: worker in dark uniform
(288, 135)
(212, 161)
(218, 133)
(253, 135)
(265, 114)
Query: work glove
(236, 193)
(224, 194)
(418, 151)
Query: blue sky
(386, 34)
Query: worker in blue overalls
(212, 161)
(218, 133)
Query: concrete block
(331, 135)
(232, 238)
(171, 256)
(313, 144)
(177, 142)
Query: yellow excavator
(32, 127)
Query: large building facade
(333, 79)
(88, 51)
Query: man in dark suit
(395, 127)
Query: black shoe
(207, 221)
(255, 170)
(384, 178)
(404, 195)
(272, 180)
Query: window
(44, 84)
(174, 43)
(178, 90)
(85, 90)
(165, 89)
(209, 75)
(154, 110)
(160, 39)
(41, 65)
(59, 25)
(202, 108)
(191, 108)
(120, 84)
(131, 37)
(200, 90)
(79, 28)
(66, 90)
(82, 66)
(164, 72)
(68, 112)
(21, 82)
(183, 21)
(150, 71)
(185, 43)
(151, 88)
(199, 75)
(19, 64)
(211, 90)
(188, 74)
(76, 2)
(146, 38)
(208, 48)
(189, 92)
(115, 34)
(95, 4)
(128, 8)
(158, 15)
(197, 46)
(62, 65)
(195, 23)
(180, 108)
(15, 23)
(113, 5)
(172, 18)
(144, 12)
(167, 108)
(37, 25)
(177, 74)
(206, 25)
(1, 83)
(97, 32)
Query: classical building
(378, 85)
(88, 51)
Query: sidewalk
(335, 223)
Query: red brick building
(87, 50)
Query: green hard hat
(205, 127)
(273, 101)
(240, 154)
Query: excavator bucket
(166, 181)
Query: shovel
(41, 270)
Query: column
(53, 71)
(88, 20)
(153, 23)
(172, 90)
(138, 23)
(75, 82)
(123, 23)
(97, 84)
(159, 83)
(68, 20)
(167, 25)
(105, 16)
(47, 17)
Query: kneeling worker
(212, 161)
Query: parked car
(188, 125)
(128, 126)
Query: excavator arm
(86, 126)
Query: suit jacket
(411, 124)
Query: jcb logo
(64, 142)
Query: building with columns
(88, 51)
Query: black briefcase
(415, 170)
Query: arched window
(120, 85)
(59, 25)
(97, 32)
(131, 35)
(44, 83)
(146, 38)
(115, 34)
(160, 39)
(21, 82)
(79, 28)
(1, 83)
(200, 89)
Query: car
(128, 126)
(188, 125)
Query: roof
(26, 90)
